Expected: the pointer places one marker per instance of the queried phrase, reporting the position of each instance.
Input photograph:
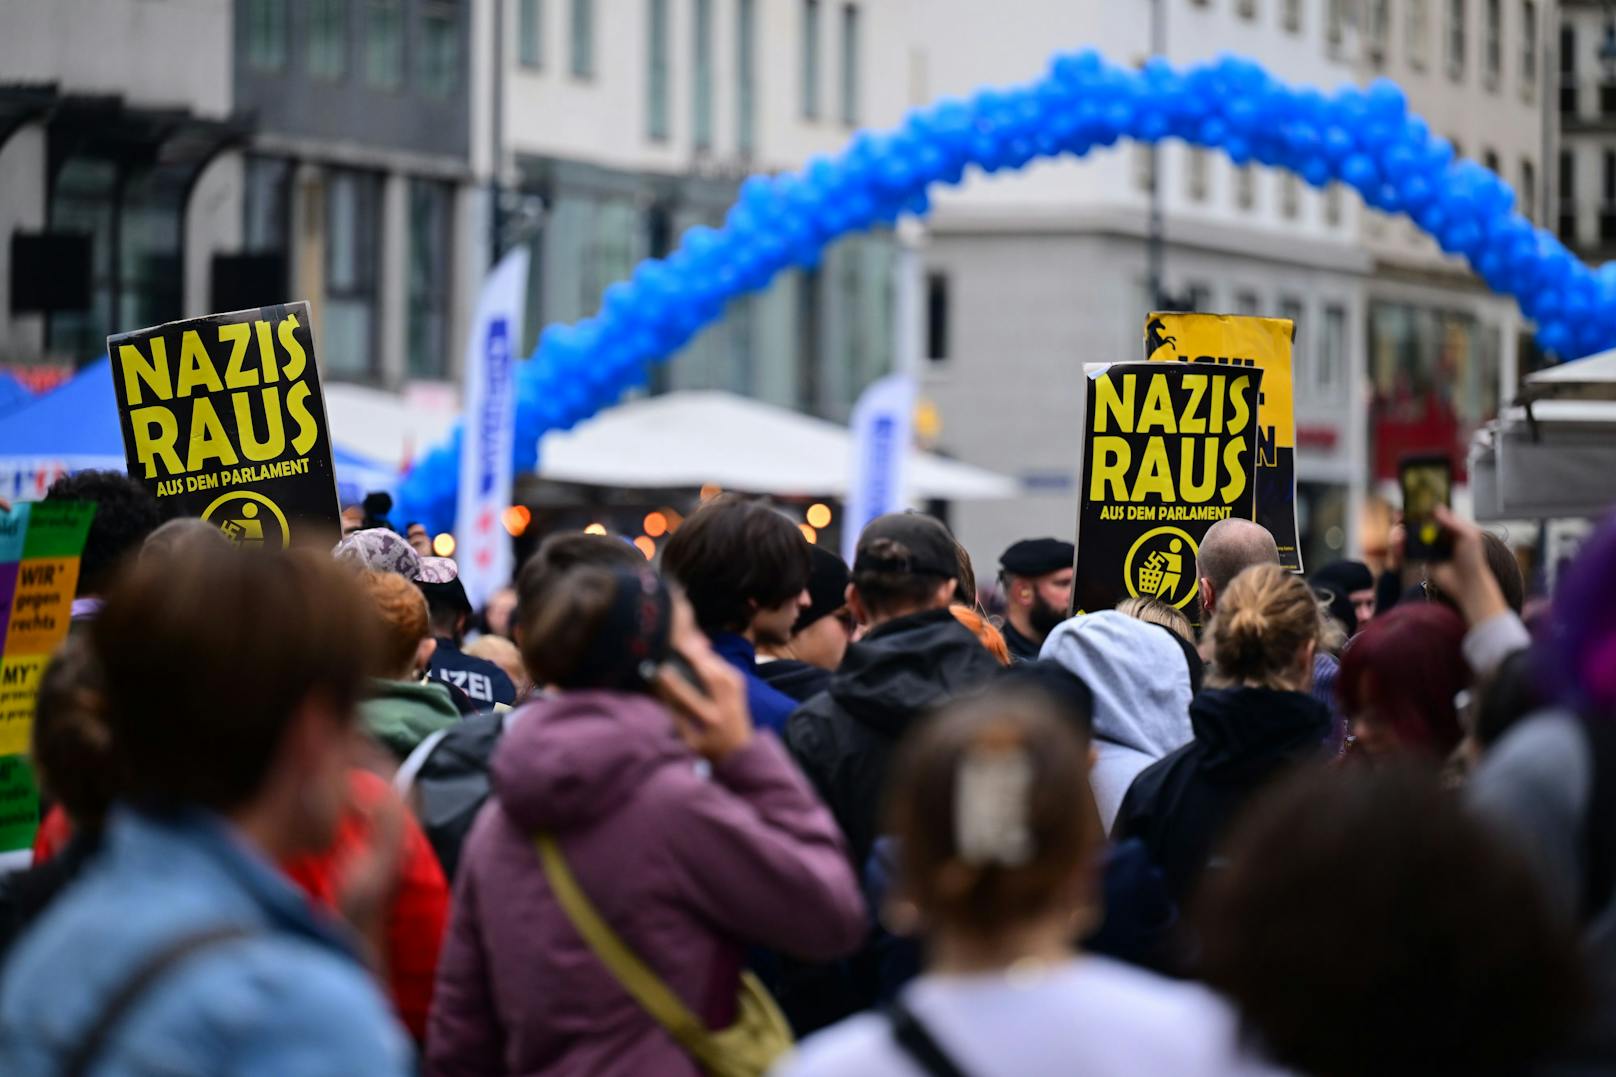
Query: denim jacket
(288, 997)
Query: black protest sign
(1168, 450)
(223, 419)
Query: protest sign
(40, 544)
(1167, 452)
(223, 418)
(1264, 343)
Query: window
(384, 44)
(265, 30)
(1292, 16)
(1246, 9)
(850, 64)
(1490, 159)
(1332, 349)
(1245, 186)
(328, 38)
(265, 203)
(1528, 48)
(1291, 308)
(1195, 172)
(1492, 55)
(1144, 166)
(1607, 98)
(937, 308)
(810, 59)
(583, 39)
(745, 76)
(437, 58)
(1607, 204)
(1335, 21)
(1380, 17)
(348, 324)
(1456, 39)
(1568, 196)
(1419, 32)
(1528, 192)
(656, 71)
(1332, 204)
(1290, 195)
(701, 69)
(530, 33)
(810, 339)
(1568, 70)
(1246, 302)
(428, 331)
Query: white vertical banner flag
(881, 424)
(489, 428)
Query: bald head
(1230, 547)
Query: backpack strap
(135, 987)
(1599, 821)
(655, 997)
(919, 1044)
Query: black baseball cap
(1030, 558)
(827, 588)
(921, 546)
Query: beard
(1044, 617)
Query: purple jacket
(688, 871)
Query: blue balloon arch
(1364, 138)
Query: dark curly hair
(125, 513)
(734, 557)
(1368, 926)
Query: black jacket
(799, 680)
(843, 738)
(1021, 648)
(1244, 737)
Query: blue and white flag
(881, 427)
(484, 549)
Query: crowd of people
(752, 809)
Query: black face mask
(1044, 617)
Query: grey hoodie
(1141, 687)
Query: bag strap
(654, 997)
(146, 976)
(919, 1044)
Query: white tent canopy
(690, 439)
(1594, 370)
(1557, 463)
(383, 426)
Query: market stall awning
(1594, 370)
(1554, 461)
(690, 439)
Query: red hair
(1406, 667)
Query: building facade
(1585, 101)
(624, 124)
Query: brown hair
(560, 554)
(402, 609)
(204, 668)
(1156, 612)
(1424, 926)
(556, 635)
(733, 557)
(72, 747)
(983, 629)
(887, 594)
(1059, 813)
(1264, 617)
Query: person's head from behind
(1036, 575)
(1229, 548)
(605, 629)
(498, 612)
(1454, 961)
(996, 829)
(124, 515)
(743, 566)
(905, 563)
(1399, 680)
(72, 746)
(231, 687)
(1351, 590)
(1265, 631)
(989, 636)
(178, 540)
(1156, 612)
(504, 654)
(407, 642)
(558, 555)
(416, 534)
(448, 608)
(1504, 569)
(825, 626)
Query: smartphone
(680, 666)
(1427, 482)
